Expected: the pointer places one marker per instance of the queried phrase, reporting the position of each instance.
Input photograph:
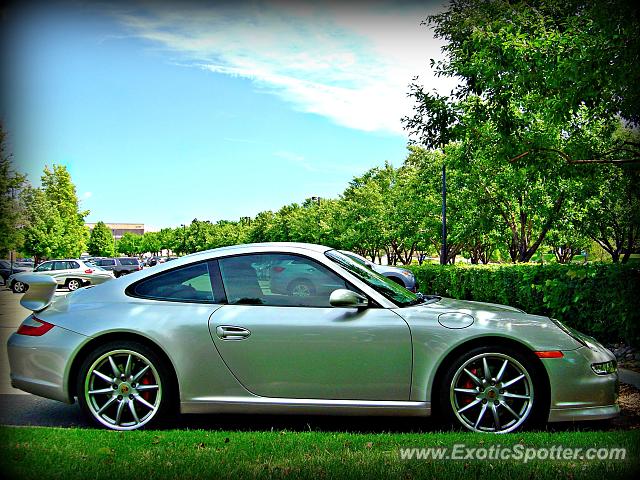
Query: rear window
(191, 283)
(128, 261)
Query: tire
(510, 396)
(139, 396)
(19, 287)
(301, 288)
(73, 284)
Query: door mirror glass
(347, 299)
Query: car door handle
(228, 332)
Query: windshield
(391, 290)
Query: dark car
(6, 271)
(153, 261)
(119, 265)
(399, 275)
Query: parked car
(69, 273)
(119, 265)
(401, 276)
(153, 261)
(6, 270)
(300, 277)
(205, 335)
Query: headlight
(605, 368)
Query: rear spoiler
(40, 293)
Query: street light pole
(184, 237)
(443, 253)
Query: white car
(69, 273)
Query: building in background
(119, 229)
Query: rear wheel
(19, 287)
(493, 390)
(124, 386)
(397, 280)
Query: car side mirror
(344, 298)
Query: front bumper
(577, 392)
(40, 365)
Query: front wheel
(124, 386)
(74, 284)
(493, 390)
(301, 288)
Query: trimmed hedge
(602, 300)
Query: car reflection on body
(211, 332)
(401, 276)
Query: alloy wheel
(73, 285)
(18, 287)
(123, 390)
(492, 392)
(301, 289)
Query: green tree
(11, 211)
(61, 192)
(101, 241)
(131, 244)
(530, 104)
(44, 226)
(151, 242)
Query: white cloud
(350, 64)
(322, 167)
(86, 195)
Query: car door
(295, 345)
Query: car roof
(265, 245)
(244, 248)
(64, 260)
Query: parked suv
(70, 273)
(119, 265)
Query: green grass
(35, 452)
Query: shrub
(602, 300)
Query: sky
(165, 112)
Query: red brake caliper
(146, 381)
(469, 384)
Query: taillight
(34, 327)
(278, 269)
(139, 267)
(88, 270)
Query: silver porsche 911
(210, 333)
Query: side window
(73, 265)
(60, 265)
(191, 283)
(278, 280)
(45, 267)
